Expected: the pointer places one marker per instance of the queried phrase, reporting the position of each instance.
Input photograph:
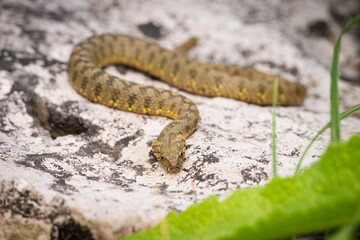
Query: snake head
(170, 151)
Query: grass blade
(334, 91)
(328, 125)
(275, 93)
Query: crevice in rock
(59, 120)
(320, 28)
(70, 230)
(68, 124)
(151, 30)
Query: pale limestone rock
(71, 166)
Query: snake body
(87, 78)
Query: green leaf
(324, 196)
(347, 232)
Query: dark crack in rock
(58, 120)
(150, 30)
(320, 28)
(70, 229)
(62, 120)
(122, 69)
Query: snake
(87, 76)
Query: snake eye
(181, 154)
(162, 157)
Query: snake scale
(87, 78)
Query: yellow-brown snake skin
(244, 84)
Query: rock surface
(69, 167)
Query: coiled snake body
(245, 84)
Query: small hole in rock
(70, 229)
(59, 120)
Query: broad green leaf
(323, 197)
